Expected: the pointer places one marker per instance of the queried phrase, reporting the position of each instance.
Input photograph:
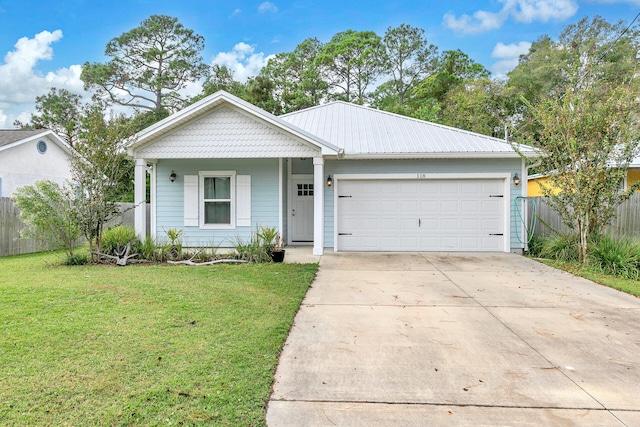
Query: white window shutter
(191, 200)
(243, 212)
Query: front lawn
(142, 345)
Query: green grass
(589, 272)
(142, 345)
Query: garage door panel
(448, 187)
(409, 206)
(389, 224)
(408, 224)
(449, 224)
(447, 206)
(421, 215)
(470, 243)
(388, 206)
(490, 225)
(409, 242)
(469, 224)
(367, 206)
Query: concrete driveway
(457, 339)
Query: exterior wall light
(516, 179)
(173, 176)
(329, 181)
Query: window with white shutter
(191, 200)
(243, 183)
(217, 199)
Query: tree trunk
(583, 230)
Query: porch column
(139, 198)
(318, 205)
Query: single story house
(536, 181)
(27, 156)
(338, 176)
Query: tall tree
(453, 68)
(353, 61)
(409, 59)
(260, 91)
(590, 52)
(221, 78)
(60, 111)
(299, 82)
(150, 65)
(478, 105)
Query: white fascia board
(422, 176)
(448, 155)
(45, 133)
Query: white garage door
(421, 215)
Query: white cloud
(528, 11)
(235, 12)
(512, 50)
(267, 6)
(525, 11)
(636, 2)
(507, 55)
(242, 61)
(480, 22)
(21, 82)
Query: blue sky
(44, 44)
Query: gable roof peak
(209, 104)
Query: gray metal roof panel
(365, 131)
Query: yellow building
(534, 188)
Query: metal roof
(367, 132)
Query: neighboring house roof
(367, 132)
(13, 137)
(215, 101)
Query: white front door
(302, 210)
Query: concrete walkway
(458, 339)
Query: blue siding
(453, 166)
(170, 198)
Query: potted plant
(277, 251)
(273, 243)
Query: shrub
(252, 251)
(618, 257)
(115, 240)
(48, 211)
(149, 250)
(173, 250)
(535, 245)
(76, 259)
(267, 235)
(561, 247)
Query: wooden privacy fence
(626, 223)
(10, 226)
